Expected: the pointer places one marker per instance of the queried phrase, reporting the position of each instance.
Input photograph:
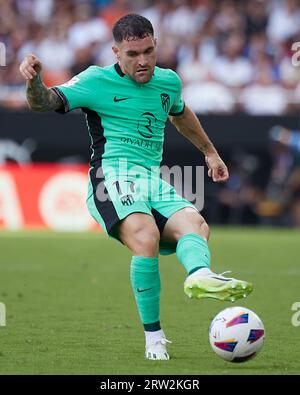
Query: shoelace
(222, 274)
(162, 341)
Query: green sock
(192, 252)
(145, 281)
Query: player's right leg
(129, 219)
(182, 226)
(140, 234)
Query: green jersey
(126, 120)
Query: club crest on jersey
(165, 102)
(127, 200)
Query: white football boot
(157, 349)
(206, 284)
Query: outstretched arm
(39, 97)
(190, 127)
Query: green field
(70, 309)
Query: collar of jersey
(119, 70)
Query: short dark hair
(132, 27)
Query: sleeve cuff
(66, 105)
(176, 114)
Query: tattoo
(40, 98)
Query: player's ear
(116, 51)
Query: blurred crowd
(233, 56)
(276, 200)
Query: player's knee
(194, 223)
(201, 227)
(205, 228)
(146, 241)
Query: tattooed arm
(39, 97)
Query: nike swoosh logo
(116, 100)
(143, 290)
(221, 279)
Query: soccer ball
(236, 334)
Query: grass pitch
(70, 308)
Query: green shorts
(112, 198)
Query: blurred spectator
(156, 13)
(281, 202)
(166, 53)
(12, 92)
(114, 11)
(265, 96)
(293, 188)
(192, 68)
(83, 59)
(297, 95)
(36, 36)
(57, 55)
(256, 17)
(231, 68)
(286, 137)
(186, 19)
(104, 55)
(38, 10)
(87, 29)
(228, 17)
(284, 20)
(258, 46)
(238, 197)
(209, 96)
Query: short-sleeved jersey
(125, 119)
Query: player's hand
(217, 169)
(30, 67)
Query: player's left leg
(190, 231)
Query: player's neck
(122, 68)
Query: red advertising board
(44, 196)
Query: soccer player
(126, 107)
